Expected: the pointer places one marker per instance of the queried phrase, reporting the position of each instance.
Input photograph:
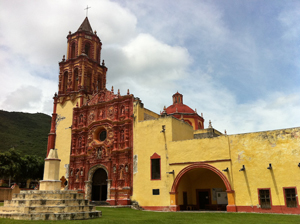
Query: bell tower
(81, 70)
(80, 76)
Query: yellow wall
(196, 150)
(151, 113)
(281, 148)
(63, 134)
(149, 140)
(178, 150)
(192, 120)
(181, 130)
(175, 145)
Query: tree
(32, 167)
(13, 165)
(10, 164)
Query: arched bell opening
(76, 79)
(65, 82)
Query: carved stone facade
(102, 139)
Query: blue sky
(237, 62)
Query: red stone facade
(111, 114)
(102, 122)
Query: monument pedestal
(49, 203)
(50, 185)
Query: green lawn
(127, 215)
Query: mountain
(27, 133)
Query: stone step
(99, 203)
(36, 194)
(52, 216)
(43, 202)
(47, 209)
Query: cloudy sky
(237, 62)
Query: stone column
(88, 190)
(108, 188)
(51, 180)
(231, 207)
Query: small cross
(87, 8)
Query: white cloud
(234, 76)
(147, 55)
(24, 98)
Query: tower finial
(87, 8)
(209, 125)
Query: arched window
(88, 81)
(200, 126)
(73, 51)
(98, 55)
(76, 79)
(155, 167)
(65, 85)
(87, 49)
(99, 83)
(187, 121)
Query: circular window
(102, 135)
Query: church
(114, 150)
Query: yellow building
(177, 168)
(164, 161)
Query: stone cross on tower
(87, 8)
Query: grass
(127, 215)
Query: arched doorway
(99, 185)
(201, 186)
(97, 178)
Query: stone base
(50, 185)
(48, 205)
(231, 208)
(119, 201)
(52, 216)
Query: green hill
(27, 133)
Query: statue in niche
(126, 168)
(77, 176)
(80, 119)
(67, 170)
(114, 169)
(99, 153)
(122, 172)
(122, 110)
(103, 151)
(111, 111)
(91, 117)
(79, 142)
(81, 172)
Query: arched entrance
(201, 186)
(99, 185)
